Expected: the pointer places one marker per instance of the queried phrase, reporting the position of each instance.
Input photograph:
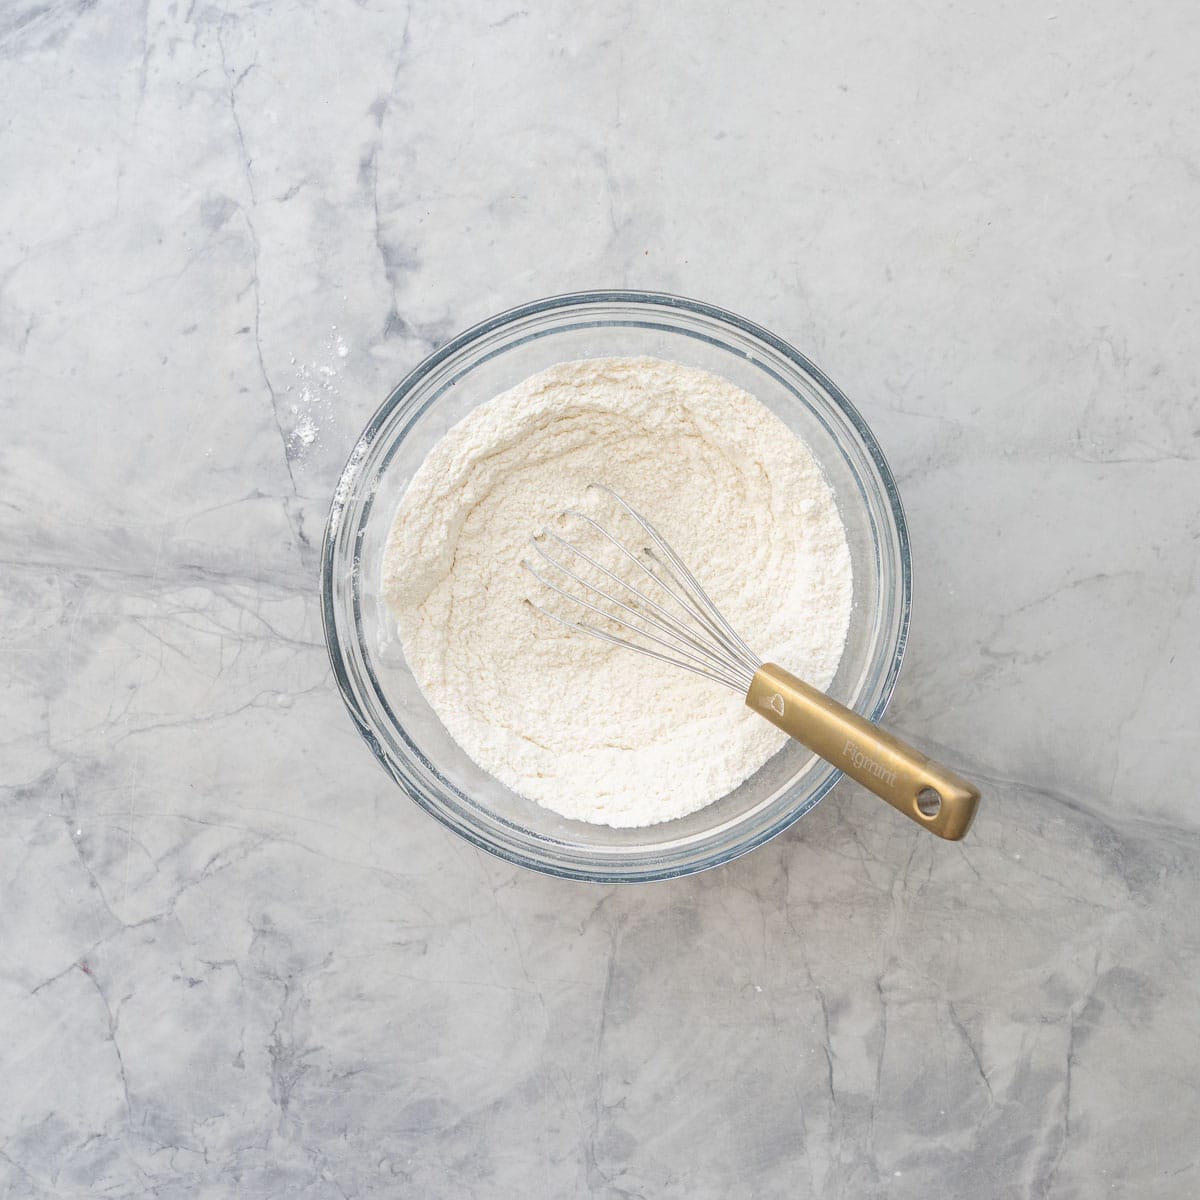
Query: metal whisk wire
(696, 637)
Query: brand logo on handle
(774, 702)
(864, 762)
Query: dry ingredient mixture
(593, 731)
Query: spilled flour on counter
(594, 731)
(314, 396)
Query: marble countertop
(234, 960)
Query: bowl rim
(397, 396)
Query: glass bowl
(393, 716)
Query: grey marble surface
(233, 960)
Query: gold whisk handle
(923, 790)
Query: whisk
(684, 628)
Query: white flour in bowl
(594, 731)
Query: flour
(315, 394)
(592, 731)
(306, 430)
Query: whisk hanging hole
(929, 802)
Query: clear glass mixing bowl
(388, 707)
